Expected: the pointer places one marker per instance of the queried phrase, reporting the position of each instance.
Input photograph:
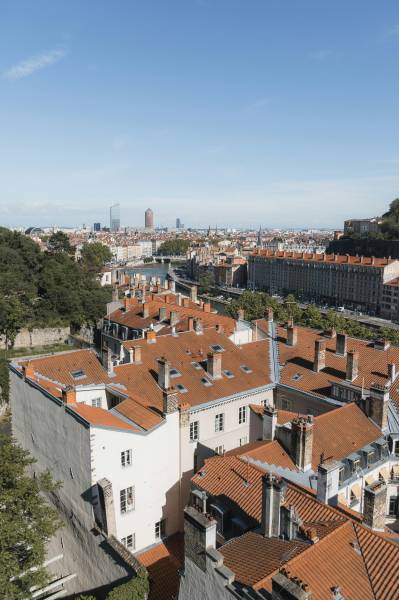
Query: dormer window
(355, 465)
(246, 369)
(79, 374)
(217, 348)
(174, 373)
(228, 374)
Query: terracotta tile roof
(342, 431)
(100, 417)
(59, 368)
(134, 318)
(341, 259)
(283, 416)
(228, 475)
(244, 448)
(252, 556)
(144, 417)
(272, 453)
(336, 434)
(297, 363)
(186, 348)
(162, 562)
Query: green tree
(4, 381)
(175, 247)
(59, 242)
(13, 315)
(27, 523)
(95, 256)
(136, 589)
(206, 282)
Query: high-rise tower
(149, 219)
(114, 218)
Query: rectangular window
(194, 431)
(341, 475)
(219, 422)
(129, 541)
(126, 458)
(219, 450)
(243, 440)
(96, 402)
(160, 529)
(127, 500)
(242, 415)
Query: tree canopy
(95, 255)
(175, 247)
(136, 589)
(255, 305)
(27, 523)
(59, 242)
(47, 288)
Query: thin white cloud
(320, 55)
(35, 63)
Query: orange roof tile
(341, 259)
(162, 562)
(272, 453)
(144, 417)
(100, 417)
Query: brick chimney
(162, 313)
(352, 365)
(377, 405)
(375, 505)
(328, 482)
(135, 355)
(164, 373)
(219, 328)
(319, 355)
(146, 310)
(69, 395)
(292, 333)
(207, 307)
(193, 293)
(214, 365)
(341, 345)
(302, 442)
(269, 314)
(174, 318)
(170, 401)
(287, 587)
(240, 314)
(273, 489)
(151, 336)
(190, 323)
(269, 422)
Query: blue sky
(239, 112)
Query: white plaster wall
(86, 394)
(154, 474)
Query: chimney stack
(172, 286)
(292, 333)
(170, 401)
(352, 365)
(206, 307)
(146, 310)
(199, 535)
(273, 489)
(151, 336)
(110, 364)
(240, 314)
(198, 326)
(178, 300)
(190, 323)
(341, 344)
(219, 328)
(377, 405)
(162, 313)
(214, 365)
(193, 293)
(174, 318)
(328, 482)
(269, 422)
(302, 442)
(135, 355)
(69, 395)
(319, 356)
(115, 294)
(28, 370)
(391, 372)
(375, 505)
(164, 373)
(269, 314)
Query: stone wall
(39, 337)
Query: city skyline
(281, 115)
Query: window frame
(126, 458)
(242, 414)
(219, 422)
(194, 431)
(124, 504)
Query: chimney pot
(164, 373)
(341, 344)
(319, 356)
(69, 395)
(374, 505)
(214, 365)
(352, 365)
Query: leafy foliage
(206, 282)
(256, 304)
(59, 242)
(27, 522)
(4, 381)
(175, 247)
(136, 589)
(95, 255)
(46, 288)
